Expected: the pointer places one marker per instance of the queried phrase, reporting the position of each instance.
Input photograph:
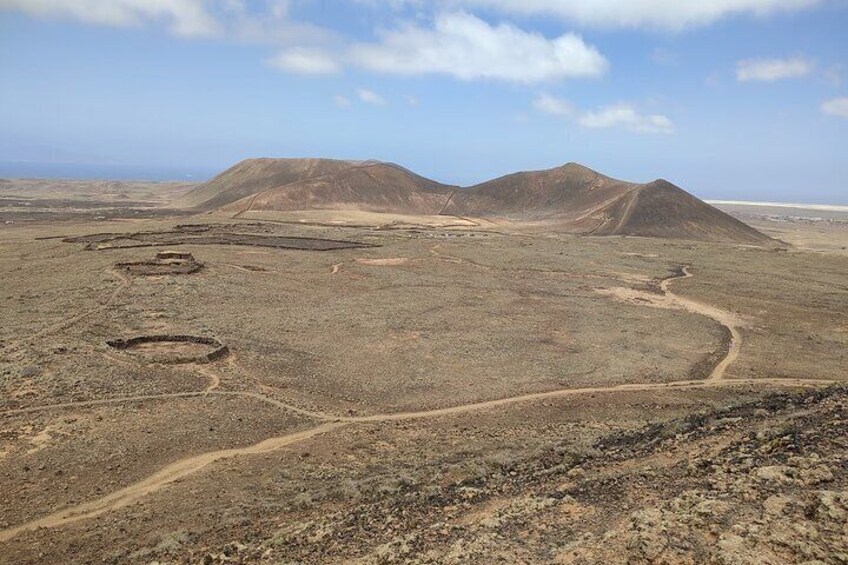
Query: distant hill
(579, 199)
(570, 198)
(371, 186)
(661, 209)
(253, 176)
(567, 193)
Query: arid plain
(334, 386)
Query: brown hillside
(568, 192)
(252, 176)
(661, 209)
(570, 198)
(372, 187)
(575, 198)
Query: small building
(174, 256)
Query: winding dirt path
(165, 476)
(559, 393)
(723, 317)
(190, 465)
(100, 402)
(171, 395)
(451, 410)
(214, 378)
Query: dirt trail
(723, 317)
(447, 202)
(165, 476)
(167, 396)
(185, 467)
(100, 402)
(214, 378)
(635, 387)
(190, 465)
(602, 206)
(376, 418)
(282, 405)
(628, 210)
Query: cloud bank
(770, 70)
(626, 116)
(186, 18)
(620, 115)
(672, 15)
(466, 47)
(305, 60)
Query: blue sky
(733, 99)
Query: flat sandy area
(418, 389)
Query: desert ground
(810, 228)
(349, 387)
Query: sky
(729, 99)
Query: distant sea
(105, 172)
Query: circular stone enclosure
(172, 349)
(154, 268)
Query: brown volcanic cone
(252, 176)
(661, 209)
(570, 198)
(575, 198)
(372, 187)
(567, 192)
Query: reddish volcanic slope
(581, 200)
(570, 198)
(372, 187)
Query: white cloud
(371, 97)
(548, 104)
(466, 47)
(624, 115)
(251, 22)
(661, 14)
(188, 18)
(341, 101)
(772, 69)
(836, 107)
(411, 100)
(305, 60)
(618, 115)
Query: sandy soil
(445, 394)
(821, 229)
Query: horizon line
(819, 207)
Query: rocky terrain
(334, 386)
(760, 482)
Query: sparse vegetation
(287, 450)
